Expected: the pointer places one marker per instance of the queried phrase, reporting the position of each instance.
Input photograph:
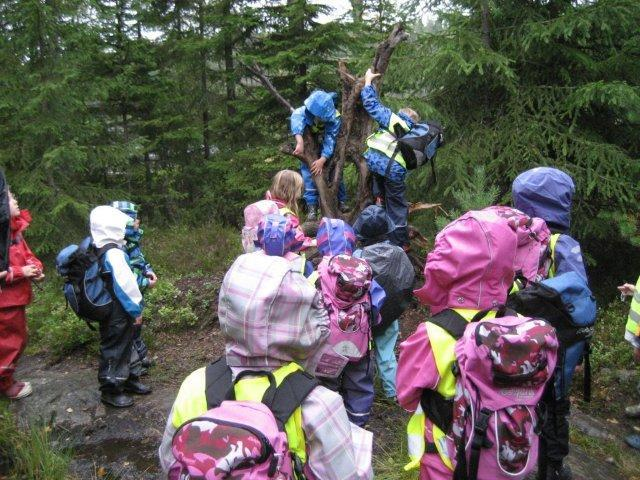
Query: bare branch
(259, 74)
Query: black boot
(136, 386)
(557, 471)
(343, 207)
(116, 399)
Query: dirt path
(111, 443)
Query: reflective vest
(552, 246)
(633, 320)
(442, 345)
(386, 142)
(191, 402)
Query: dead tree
(356, 127)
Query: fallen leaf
(613, 420)
(102, 472)
(69, 410)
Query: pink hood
(471, 264)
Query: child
(116, 335)
(388, 175)
(548, 193)
(393, 270)
(355, 383)
(141, 268)
(467, 271)
(285, 191)
(632, 335)
(15, 295)
(287, 326)
(318, 114)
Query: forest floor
(122, 444)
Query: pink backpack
(532, 260)
(240, 439)
(345, 282)
(253, 214)
(503, 365)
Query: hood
(547, 193)
(471, 264)
(335, 237)
(108, 225)
(21, 222)
(320, 104)
(127, 207)
(373, 223)
(270, 314)
(277, 236)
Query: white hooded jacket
(107, 227)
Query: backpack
(345, 282)
(5, 224)
(419, 145)
(532, 261)
(502, 365)
(566, 302)
(87, 290)
(253, 214)
(393, 270)
(243, 440)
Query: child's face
(136, 224)
(14, 209)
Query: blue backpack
(86, 288)
(567, 303)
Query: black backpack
(419, 145)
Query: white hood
(108, 225)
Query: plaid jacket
(270, 315)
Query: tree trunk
(486, 35)
(204, 94)
(357, 10)
(229, 65)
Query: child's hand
(318, 165)
(30, 271)
(3, 275)
(138, 320)
(369, 76)
(39, 277)
(627, 289)
(299, 150)
(153, 279)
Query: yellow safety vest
(386, 142)
(633, 320)
(191, 402)
(443, 346)
(552, 247)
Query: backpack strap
(479, 441)
(436, 407)
(218, 382)
(451, 322)
(290, 394)
(587, 372)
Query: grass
(29, 453)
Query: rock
(589, 426)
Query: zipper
(267, 449)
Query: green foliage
(29, 453)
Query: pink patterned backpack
(345, 283)
(532, 259)
(253, 214)
(242, 440)
(502, 364)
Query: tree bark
(204, 93)
(486, 34)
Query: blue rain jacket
(318, 112)
(138, 263)
(377, 161)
